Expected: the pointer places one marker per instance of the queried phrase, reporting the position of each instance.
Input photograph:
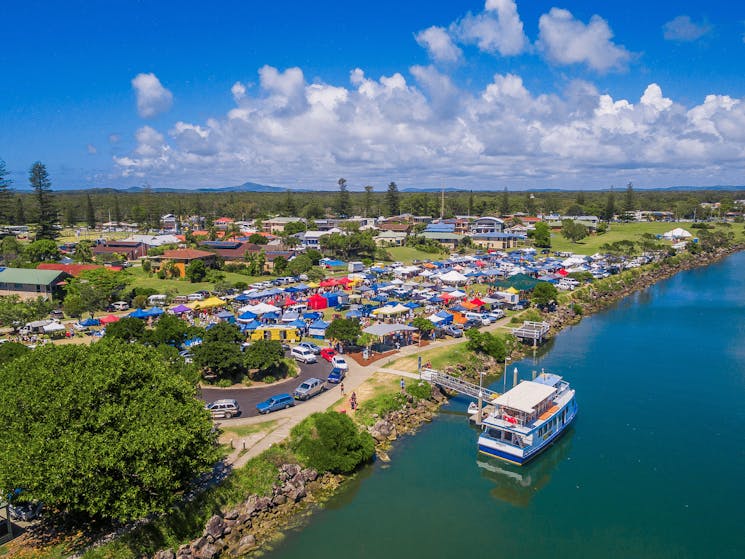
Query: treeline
(145, 208)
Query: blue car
(274, 403)
(336, 375)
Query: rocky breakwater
(255, 521)
(406, 420)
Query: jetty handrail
(457, 384)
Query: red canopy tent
(478, 302)
(563, 272)
(287, 302)
(109, 319)
(317, 302)
(328, 282)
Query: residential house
(231, 251)
(187, 255)
(486, 224)
(154, 240)
(390, 238)
(73, 270)
(29, 283)
(395, 226)
(589, 221)
(276, 225)
(169, 222)
(222, 223)
(496, 241)
(447, 239)
(129, 250)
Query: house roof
(73, 269)
(187, 254)
(30, 276)
(391, 235)
(393, 226)
(441, 236)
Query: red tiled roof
(187, 253)
(72, 269)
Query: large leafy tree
(42, 186)
(544, 293)
(224, 332)
(220, 360)
(126, 329)
(368, 200)
(15, 312)
(487, 343)
(42, 250)
(542, 235)
(196, 271)
(109, 430)
(345, 330)
(264, 354)
(573, 231)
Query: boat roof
(548, 379)
(525, 396)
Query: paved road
(247, 398)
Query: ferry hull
(522, 460)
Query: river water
(654, 465)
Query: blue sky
(470, 94)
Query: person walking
(341, 385)
(403, 385)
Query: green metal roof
(29, 276)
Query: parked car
(311, 346)
(195, 297)
(57, 314)
(328, 353)
(478, 317)
(496, 314)
(120, 306)
(223, 408)
(472, 323)
(187, 356)
(274, 403)
(336, 375)
(309, 388)
(339, 362)
(303, 355)
(452, 330)
(25, 512)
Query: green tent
(521, 282)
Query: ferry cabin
(528, 418)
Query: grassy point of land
(408, 254)
(439, 356)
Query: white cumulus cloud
(238, 91)
(152, 98)
(498, 29)
(439, 44)
(684, 29)
(566, 40)
(423, 129)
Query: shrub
(419, 389)
(379, 406)
(269, 379)
(224, 383)
(577, 308)
(331, 442)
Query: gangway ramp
(457, 384)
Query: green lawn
(626, 231)
(183, 286)
(408, 254)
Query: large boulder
(309, 474)
(165, 554)
(246, 544)
(215, 527)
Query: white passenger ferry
(528, 418)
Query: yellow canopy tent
(209, 303)
(313, 284)
(512, 290)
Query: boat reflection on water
(518, 484)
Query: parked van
(223, 408)
(303, 355)
(355, 267)
(157, 300)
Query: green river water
(654, 465)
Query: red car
(328, 353)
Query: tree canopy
(544, 293)
(487, 343)
(42, 185)
(345, 330)
(109, 430)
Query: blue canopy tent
(242, 298)
(192, 342)
(318, 329)
(297, 288)
(253, 325)
(332, 298)
(247, 316)
(412, 305)
(446, 316)
(90, 322)
(139, 313)
(312, 315)
(353, 314)
(436, 299)
(299, 324)
(226, 316)
(379, 298)
(270, 316)
(459, 308)
(155, 311)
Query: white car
(120, 306)
(338, 362)
(480, 318)
(495, 315)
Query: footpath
(251, 446)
